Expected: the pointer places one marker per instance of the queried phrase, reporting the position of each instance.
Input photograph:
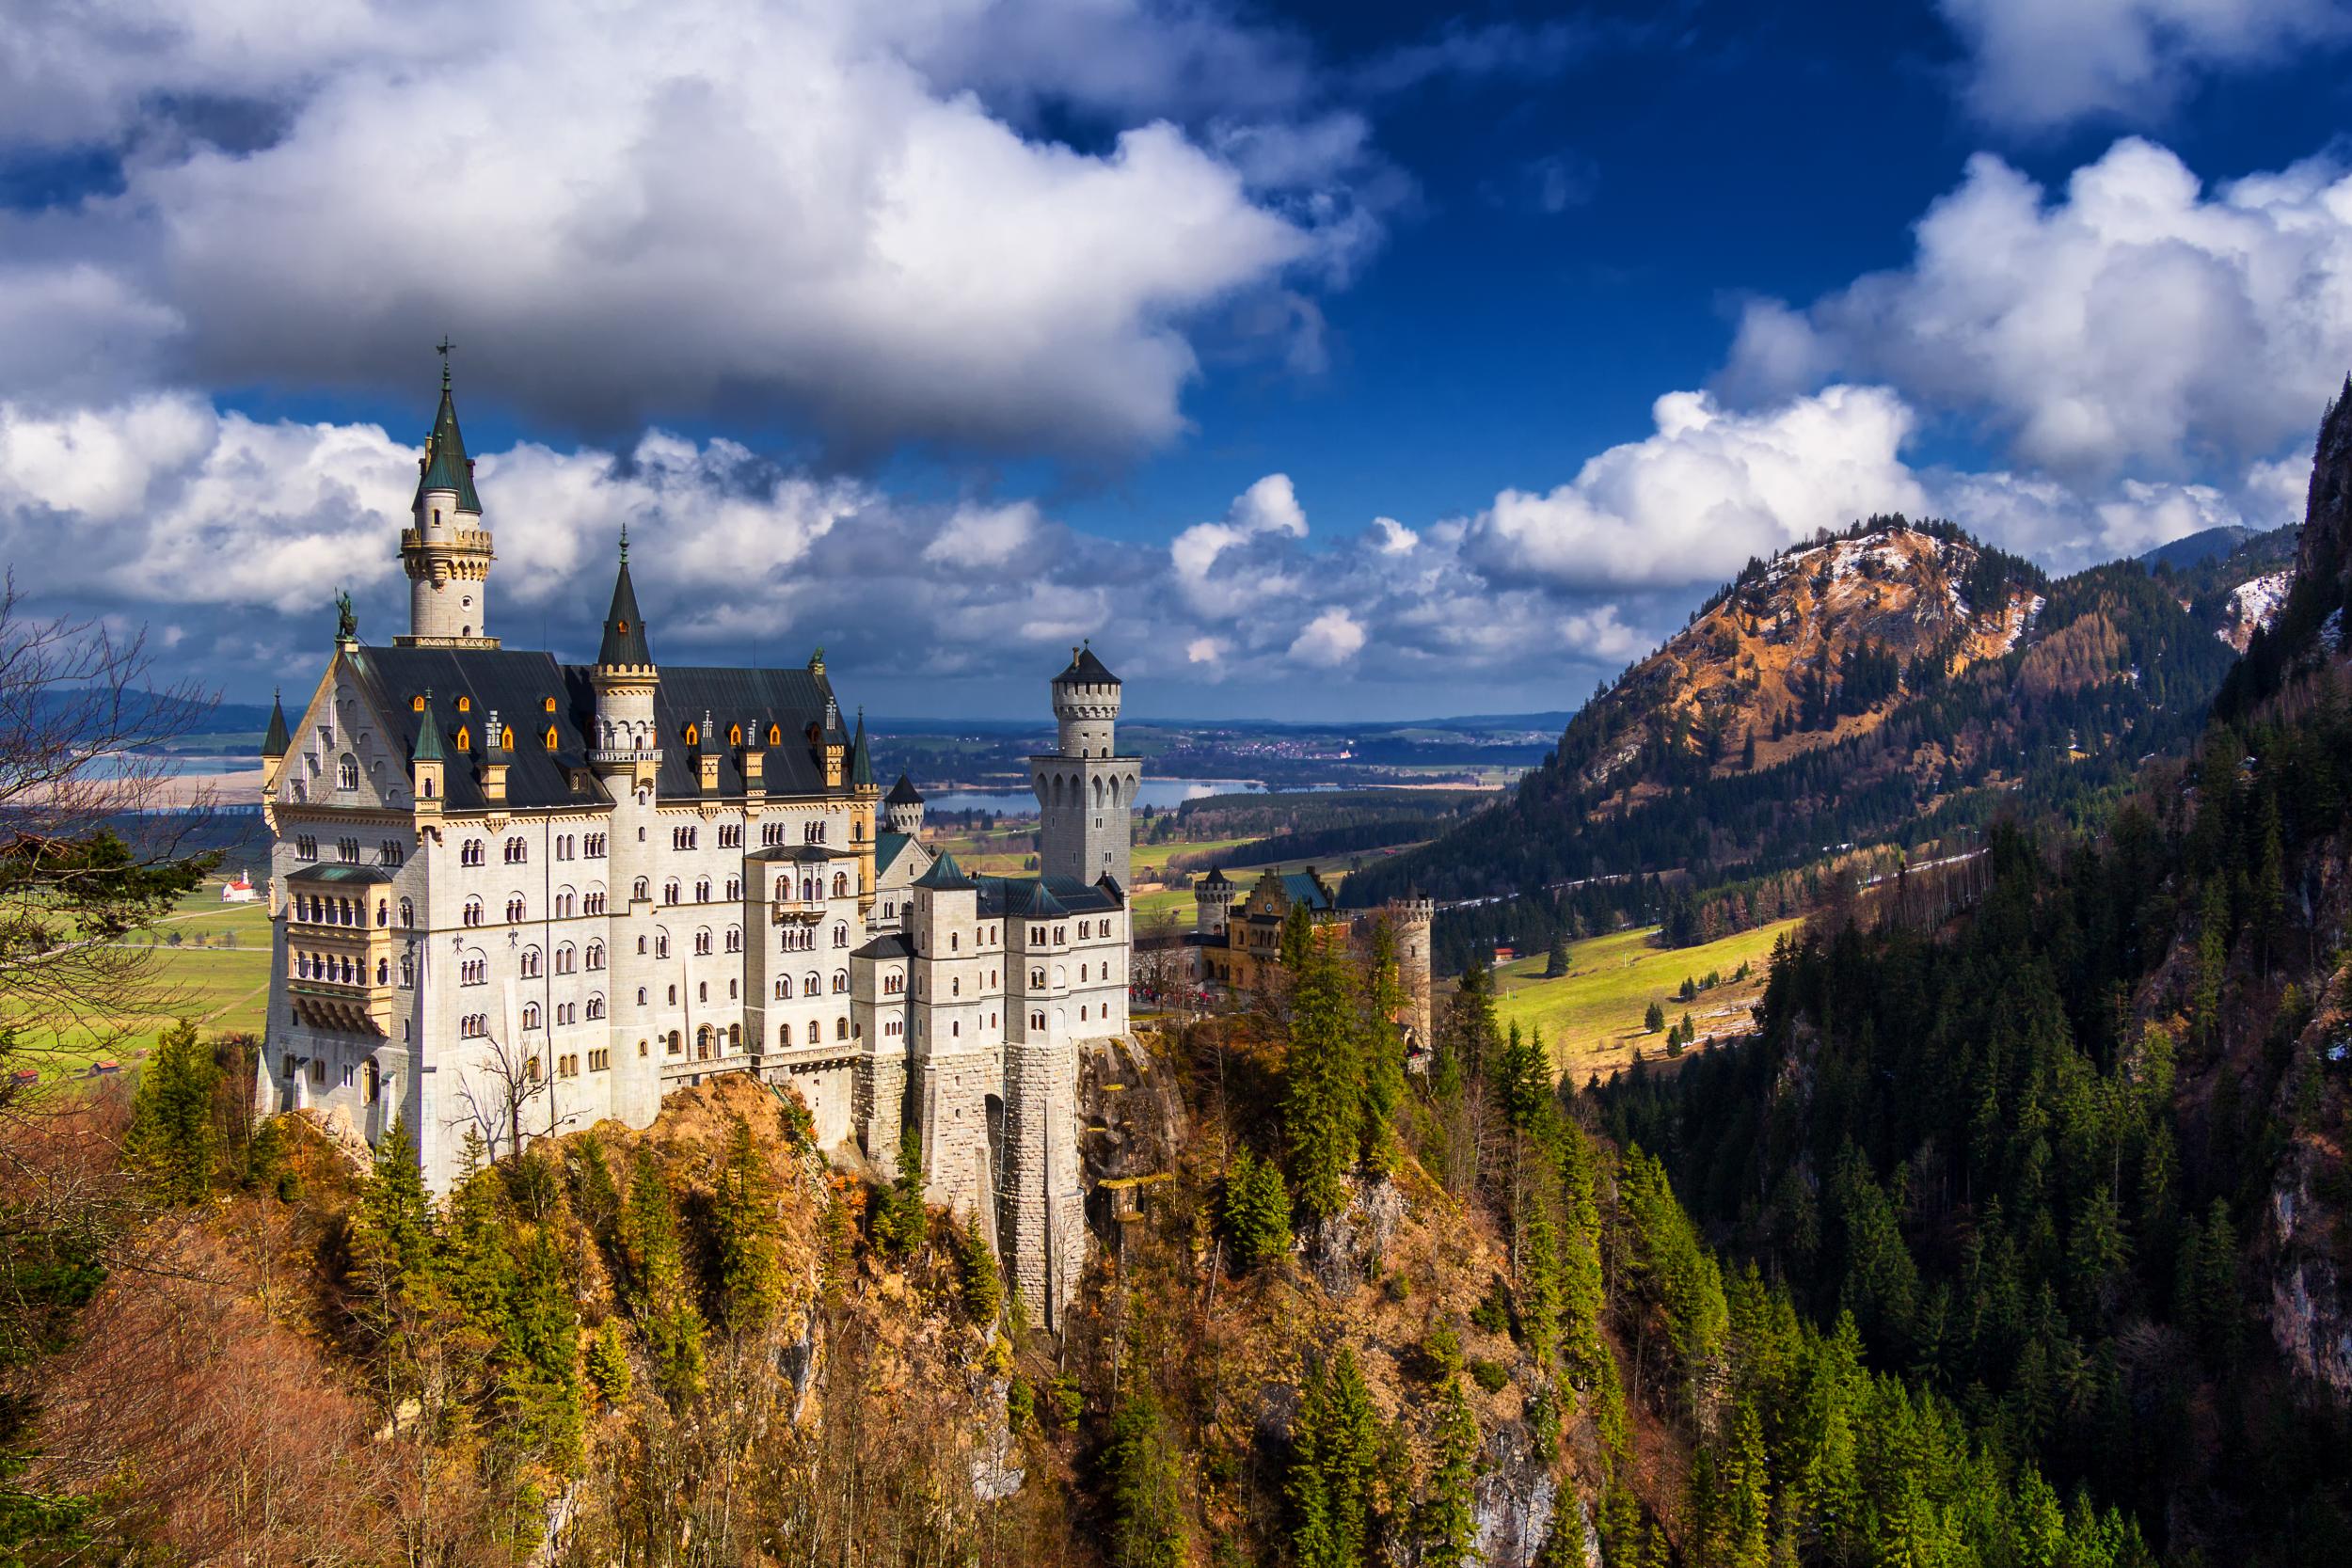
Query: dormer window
(465, 736)
(550, 737)
(735, 736)
(547, 705)
(465, 705)
(693, 734)
(775, 735)
(416, 703)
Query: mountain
(2077, 1155)
(2236, 591)
(2197, 548)
(1890, 685)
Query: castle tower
(1411, 919)
(446, 550)
(1085, 792)
(903, 808)
(1213, 902)
(625, 753)
(864, 795)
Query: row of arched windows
(341, 969)
(1071, 790)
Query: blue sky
(1317, 361)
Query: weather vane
(442, 349)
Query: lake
(1159, 794)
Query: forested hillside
(1895, 716)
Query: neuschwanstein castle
(518, 897)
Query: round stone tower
(1213, 902)
(902, 808)
(1085, 790)
(446, 551)
(624, 749)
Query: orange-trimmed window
(693, 734)
(547, 705)
(735, 736)
(550, 737)
(465, 705)
(465, 739)
(416, 703)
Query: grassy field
(1591, 1018)
(217, 971)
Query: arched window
(464, 736)
(783, 1035)
(775, 735)
(596, 956)
(841, 935)
(346, 772)
(676, 1043)
(514, 909)
(784, 988)
(567, 958)
(702, 940)
(596, 1007)
(551, 737)
(669, 891)
(642, 889)
(701, 890)
(812, 984)
(840, 980)
(816, 1033)
(735, 939)
(662, 944)
(840, 884)
(530, 964)
(530, 1015)
(407, 970)
(841, 1028)
(702, 1043)
(472, 915)
(735, 1036)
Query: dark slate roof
(791, 700)
(903, 793)
(1301, 887)
(1043, 897)
(276, 743)
(861, 764)
(1217, 878)
(516, 685)
(344, 874)
(623, 642)
(890, 944)
(945, 875)
(445, 465)
(1085, 670)
(799, 852)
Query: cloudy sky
(1316, 360)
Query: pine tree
(539, 1353)
(745, 1225)
(1323, 1083)
(607, 1363)
(1444, 1522)
(172, 1139)
(392, 1224)
(980, 1288)
(900, 1222)
(1556, 957)
(1335, 1463)
(1147, 1508)
(1257, 1210)
(1384, 1050)
(655, 1266)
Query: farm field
(1591, 1018)
(215, 959)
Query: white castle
(516, 897)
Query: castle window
(306, 847)
(954, 942)
(547, 705)
(783, 1035)
(596, 1007)
(407, 914)
(669, 891)
(641, 997)
(515, 851)
(641, 890)
(775, 735)
(702, 940)
(567, 958)
(506, 738)
(693, 734)
(514, 909)
(841, 1028)
(702, 1043)
(348, 851)
(735, 889)
(465, 739)
(841, 936)
(661, 947)
(416, 703)
(563, 904)
(840, 980)
(784, 988)
(676, 1043)
(702, 990)
(465, 705)
(812, 984)
(531, 963)
(472, 915)
(735, 1036)
(701, 890)
(408, 971)
(346, 772)
(735, 736)
(600, 1061)
(596, 956)
(840, 884)
(530, 1015)
(816, 1033)
(735, 939)
(550, 737)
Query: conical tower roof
(861, 764)
(624, 646)
(276, 743)
(428, 735)
(446, 464)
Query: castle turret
(625, 753)
(1085, 791)
(276, 743)
(903, 808)
(427, 764)
(863, 797)
(1213, 902)
(446, 551)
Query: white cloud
(2136, 325)
(1269, 508)
(1331, 638)
(2035, 65)
(1390, 537)
(826, 209)
(984, 535)
(1690, 503)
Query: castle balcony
(343, 1006)
(619, 757)
(473, 540)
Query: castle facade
(513, 897)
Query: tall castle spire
(446, 551)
